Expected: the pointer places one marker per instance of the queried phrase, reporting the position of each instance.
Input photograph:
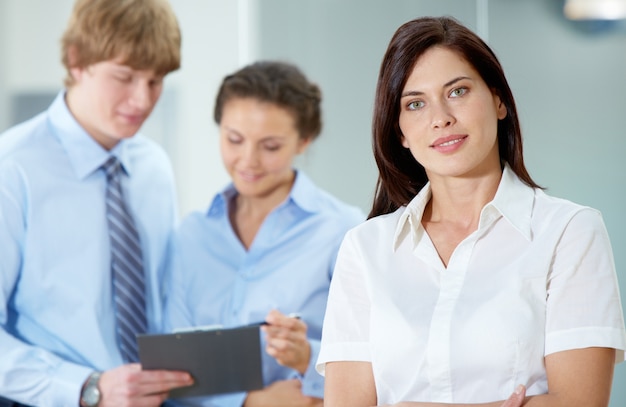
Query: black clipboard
(222, 360)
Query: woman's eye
(272, 147)
(234, 140)
(417, 104)
(458, 92)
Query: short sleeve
(345, 333)
(584, 307)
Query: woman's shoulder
(333, 204)
(198, 224)
(381, 226)
(548, 204)
(316, 199)
(556, 213)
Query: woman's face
(449, 117)
(258, 142)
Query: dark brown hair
(144, 34)
(280, 83)
(401, 177)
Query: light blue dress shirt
(288, 267)
(56, 310)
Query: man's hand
(284, 393)
(128, 385)
(287, 341)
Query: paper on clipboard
(221, 360)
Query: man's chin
(127, 132)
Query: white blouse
(537, 277)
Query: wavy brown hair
(279, 83)
(401, 177)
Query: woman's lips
(449, 143)
(249, 177)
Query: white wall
(33, 31)
(4, 34)
(210, 50)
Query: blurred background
(565, 62)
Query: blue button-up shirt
(288, 267)
(56, 312)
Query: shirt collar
(84, 153)
(410, 221)
(513, 200)
(302, 195)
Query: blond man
(61, 337)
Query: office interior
(567, 72)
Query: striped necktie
(126, 265)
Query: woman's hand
(517, 398)
(287, 341)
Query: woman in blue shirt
(267, 245)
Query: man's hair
(143, 34)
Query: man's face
(111, 101)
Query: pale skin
(448, 120)
(287, 341)
(258, 143)
(111, 101)
(126, 97)
(128, 385)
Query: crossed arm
(576, 378)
